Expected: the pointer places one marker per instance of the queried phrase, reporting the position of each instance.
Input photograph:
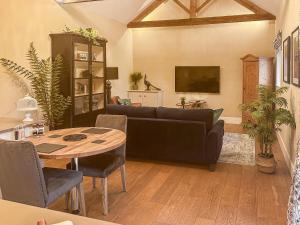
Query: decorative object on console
(197, 104)
(112, 73)
(295, 58)
(134, 79)
(44, 77)
(286, 59)
(27, 105)
(149, 85)
(193, 104)
(183, 104)
(267, 114)
(182, 101)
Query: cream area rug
(238, 149)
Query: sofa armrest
(215, 141)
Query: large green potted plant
(266, 115)
(134, 79)
(44, 76)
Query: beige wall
(287, 21)
(156, 51)
(24, 21)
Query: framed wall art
(286, 59)
(295, 58)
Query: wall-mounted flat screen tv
(202, 79)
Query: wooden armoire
(84, 77)
(256, 71)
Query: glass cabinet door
(97, 53)
(98, 102)
(81, 105)
(98, 85)
(81, 52)
(88, 78)
(81, 79)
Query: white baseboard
(285, 153)
(232, 120)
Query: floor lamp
(112, 73)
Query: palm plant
(44, 76)
(135, 78)
(267, 114)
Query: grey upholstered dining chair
(23, 180)
(102, 165)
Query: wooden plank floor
(176, 194)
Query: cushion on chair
(60, 181)
(99, 165)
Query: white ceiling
(124, 11)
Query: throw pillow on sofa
(217, 114)
(124, 101)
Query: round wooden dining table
(105, 140)
(97, 140)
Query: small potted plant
(182, 101)
(134, 79)
(266, 115)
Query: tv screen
(203, 79)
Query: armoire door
(250, 81)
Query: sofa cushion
(131, 111)
(204, 115)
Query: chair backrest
(21, 175)
(118, 122)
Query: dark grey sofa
(173, 135)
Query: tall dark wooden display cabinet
(83, 79)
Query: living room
(164, 84)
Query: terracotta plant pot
(134, 86)
(265, 165)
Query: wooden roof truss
(257, 15)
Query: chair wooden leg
(123, 176)
(81, 199)
(94, 182)
(104, 196)
(67, 199)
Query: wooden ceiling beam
(203, 5)
(74, 2)
(149, 9)
(193, 8)
(253, 7)
(181, 5)
(200, 21)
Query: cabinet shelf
(81, 60)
